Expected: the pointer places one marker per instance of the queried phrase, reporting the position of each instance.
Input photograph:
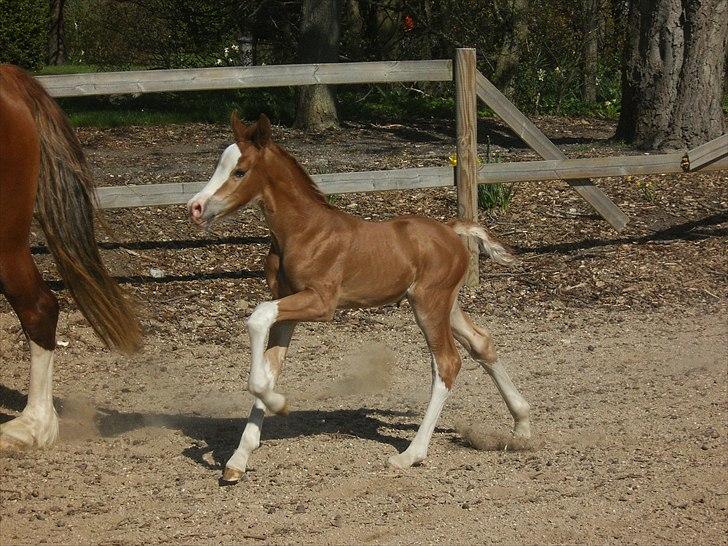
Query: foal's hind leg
(37, 309)
(433, 317)
(478, 342)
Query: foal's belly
(356, 301)
(375, 280)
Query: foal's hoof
(522, 430)
(284, 410)
(232, 475)
(400, 461)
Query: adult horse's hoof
(10, 443)
(232, 475)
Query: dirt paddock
(619, 341)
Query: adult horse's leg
(29, 296)
(432, 311)
(478, 342)
(37, 309)
(279, 339)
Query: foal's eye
(239, 173)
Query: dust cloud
(488, 440)
(369, 370)
(77, 420)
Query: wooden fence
(469, 84)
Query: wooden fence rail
(469, 83)
(426, 177)
(238, 77)
(532, 136)
(154, 195)
(707, 153)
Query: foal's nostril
(196, 210)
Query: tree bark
(591, 26)
(516, 33)
(674, 73)
(319, 43)
(56, 43)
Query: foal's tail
(65, 208)
(486, 241)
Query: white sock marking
(517, 405)
(417, 450)
(261, 380)
(250, 440)
(37, 425)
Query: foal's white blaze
(225, 166)
(417, 450)
(261, 379)
(37, 425)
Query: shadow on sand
(222, 434)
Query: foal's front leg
(280, 338)
(308, 305)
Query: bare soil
(618, 340)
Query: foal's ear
(239, 129)
(261, 136)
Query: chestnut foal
(322, 258)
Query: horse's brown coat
(42, 166)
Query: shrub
(23, 32)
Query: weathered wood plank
(398, 179)
(179, 193)
(466, 178)
(706, 153)
(597, 167)
(533, 136)
(236, 77)
(427, 177)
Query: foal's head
(239, 178)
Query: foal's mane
(307, 182)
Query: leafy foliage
(494, 196)
(23, 32)
(544, 39)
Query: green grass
(51, 70)
(494, 196)
(176, 108)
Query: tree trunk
(516, 33)
(592, 23)
(674, 73)
(319, 41)
(56, 44)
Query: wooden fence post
(466, 172)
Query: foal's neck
(292, 204)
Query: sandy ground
(629, 415)
(618, 341)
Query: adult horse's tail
(65, 208)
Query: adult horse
(322, 259)
(42, 165)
